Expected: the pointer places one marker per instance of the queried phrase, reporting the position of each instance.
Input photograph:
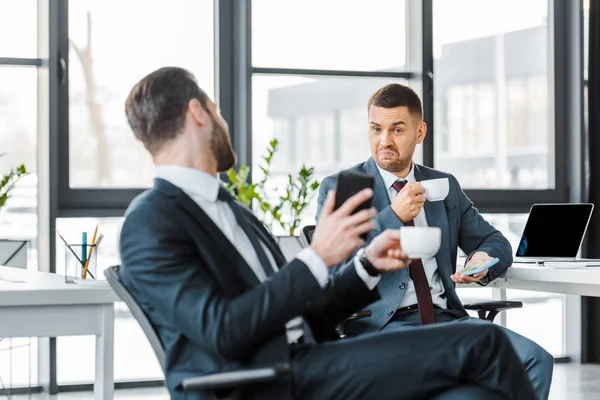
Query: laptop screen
(554, 230)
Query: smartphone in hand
(350, 183)
(479, 266)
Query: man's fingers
(360, 217)
(387, 240)
(391, 234)
(364, 227)
(415, 188)
(350, 205)
(458, 278)
(389, 264)
(328, 204)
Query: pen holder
(76, 258)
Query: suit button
(402, 286)
(390, 313)
(430, 287)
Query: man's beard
(221, 147)
(396, 165)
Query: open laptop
(554, 233)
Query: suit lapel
(381, 199)
(211, 233)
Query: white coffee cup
(436, 189)
(420, 242)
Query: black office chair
(220, 384)
(486, 310)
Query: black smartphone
(349, 183)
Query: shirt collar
(389, 178)
(190, 180)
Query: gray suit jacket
(462, 226)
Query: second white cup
(420, 242)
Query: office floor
(570, 382)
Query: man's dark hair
(396, 95)
(156, 106)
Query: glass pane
(319, 122)
(18, 217)
(18, 29)
(492, 90)
(586, 37)
(541, 318)
(134, 357)
(306, 34)
(110, 51)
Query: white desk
(580, 281)
(41, 304)
(572, 282)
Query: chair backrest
(114, 279)
(307, 234)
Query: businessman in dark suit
(221, 295)
(395, 120)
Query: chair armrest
(232, 379)
(341, 328)
(492, 308)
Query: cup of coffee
(420, 242)
(436, 189)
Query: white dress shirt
(204, 189)
(429, 265)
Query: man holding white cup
(409, 195)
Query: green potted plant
(9, 181)
(282, 209)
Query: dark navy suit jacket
(211, 312)
(461, 224)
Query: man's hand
(409, 201)
(338, 232)
(385, 253)
(479, 256)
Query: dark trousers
(538, 363)
(412, 363)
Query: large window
(310, 87)
(108, 53)
(18, 143)
(492, 93)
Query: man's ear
(421, 132)
(198, 113)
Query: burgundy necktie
(417, 275)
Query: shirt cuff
(370, 281)
(315, 264)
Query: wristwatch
(366, 264)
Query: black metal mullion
(336, 73)
(427, 76)
(23, 62)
